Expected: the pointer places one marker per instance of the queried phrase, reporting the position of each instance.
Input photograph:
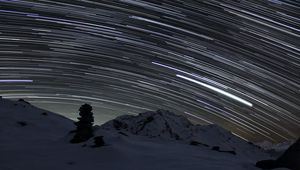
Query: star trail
(235, 63)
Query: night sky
(235, 63)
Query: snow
(278, 147)
(165, 125)
(43, 143)
(275, 149)
(22, 122)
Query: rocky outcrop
(160, 124)
(289, 159)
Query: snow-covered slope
(279, 147)
(276, 149)
(34, 139)
(165, 125)
(22, 122)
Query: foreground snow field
(35, 139)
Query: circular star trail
(235, 63)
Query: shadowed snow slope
(35, 139)
(21, 122)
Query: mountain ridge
(34, 139)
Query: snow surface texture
(35, 139)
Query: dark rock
(98, 140)
(267, 164)
(162, 123)
(177, 137)
(22, 100)
(196, 143)
(231, 152)
(217, 148)
(119, 125)
(289, 159)
(122, 133)
(71, 163)
(143, 123)
(22, 123)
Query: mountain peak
(165, 125)
(30, 134)
(161, 123)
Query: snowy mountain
(276, 149)
(266, 145)
(35, 139)
(165, 125)
(289, 159)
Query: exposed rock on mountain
(166, 125)
(289, 159)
